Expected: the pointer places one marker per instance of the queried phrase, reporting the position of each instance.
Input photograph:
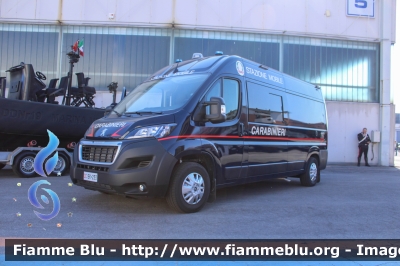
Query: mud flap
(213, 193)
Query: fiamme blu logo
(44, 164)
(35, 202)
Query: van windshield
(157, 96)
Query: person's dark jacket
(362, 141)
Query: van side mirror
(108, 110)
(217, 110)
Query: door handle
(241, 129)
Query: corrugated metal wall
(31, 44)
(123, 55)
(346, 70)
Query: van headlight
(158, 131)
(90, 131)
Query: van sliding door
(266, 143)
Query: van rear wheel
(312, 172)
(189, 188)
(2, 165)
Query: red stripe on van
(244, 137)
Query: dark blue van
(203, 124)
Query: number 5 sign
(361, 8)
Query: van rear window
(304, 112)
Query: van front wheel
(311, 174)
(189, 188)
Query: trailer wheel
(23, 164)
(311, 175)
(189, 188)
(62, 165)
(2, 165)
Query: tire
(311, 175)
(23, 164)
(187, 180)
(2, 165)
(63, 164)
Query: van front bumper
(133, 168)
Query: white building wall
(345, 121)
(292, 17)
(387, 119)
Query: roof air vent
(197, 55)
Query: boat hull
(23, 121)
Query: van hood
(116, 127)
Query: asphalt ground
(350, 202)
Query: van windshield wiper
(144, 112)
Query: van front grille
(102, 154)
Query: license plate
(92, 177)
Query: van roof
(250, 69)
(203, 64)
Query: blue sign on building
(361, 8)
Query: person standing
(363, 142)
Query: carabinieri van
(202, 124)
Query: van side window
(228, 89)
(264, 105)
(311, 116)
